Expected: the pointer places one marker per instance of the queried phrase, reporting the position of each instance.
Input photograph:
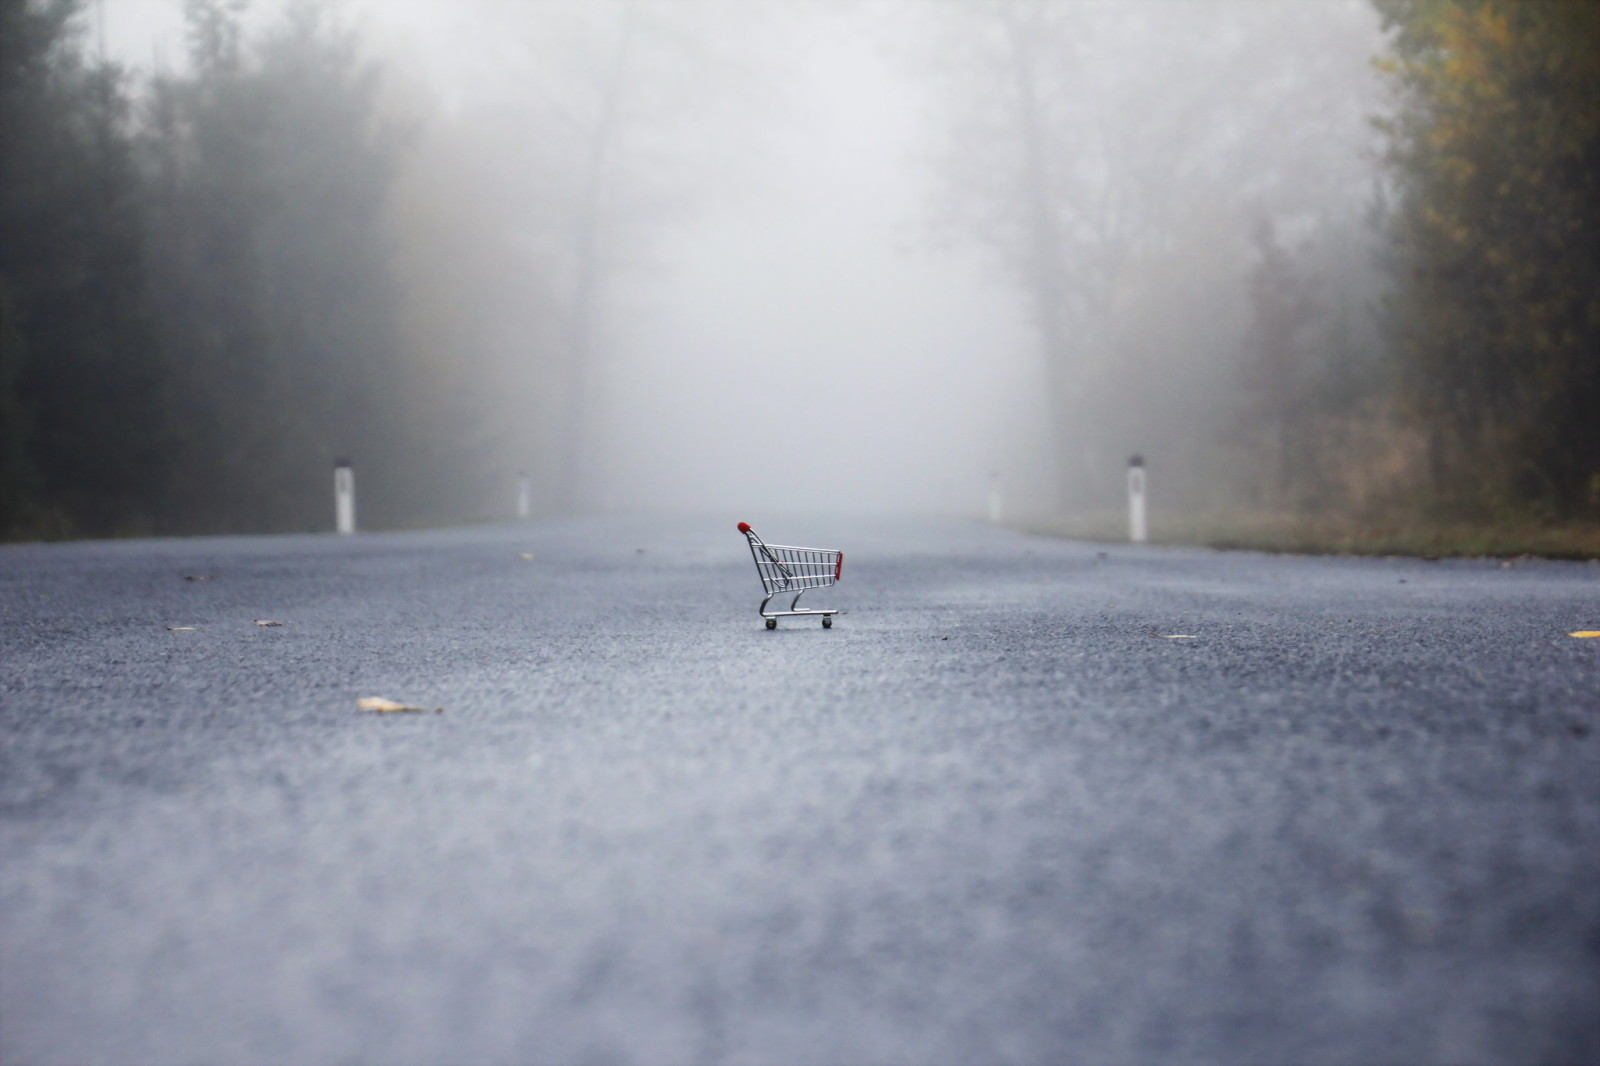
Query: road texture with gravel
(1028, 801)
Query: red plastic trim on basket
(838, 567)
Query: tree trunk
(578, 414)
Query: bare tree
(607, 106)
(1082, 141)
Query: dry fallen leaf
(379, 705)
(267, 622)
(525, 555)
(1584, 634)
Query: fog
(755, 256)
(804, 347)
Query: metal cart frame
(784, 568)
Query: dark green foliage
(1496, 149)
(196, 313)
(79, 370)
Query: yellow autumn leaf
(379, 705)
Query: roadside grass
(1301, 535)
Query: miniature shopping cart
(785, 569)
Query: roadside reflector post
(524, 500)
(1136, 524)
(344, 497)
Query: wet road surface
(1027, 802)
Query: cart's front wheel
(827, 621)
(772, 623)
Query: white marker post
(524, 500)
(1136, 527)
(344, 497)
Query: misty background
(911, 256)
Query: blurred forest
(1332, 258)
(1496, 315)
(199, 316)
(217, 283)
(1184, 194)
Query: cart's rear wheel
(772, 623)
(827, 621)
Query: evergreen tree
(269, 175)
(79, 370)
(1496, 149)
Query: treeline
(1300, 285)
(218, 282)
(81, 376)
(215, 283)
(1496, 150)
(199, 311)
(1459, 383)
(1183, 194)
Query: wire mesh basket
(785, 569)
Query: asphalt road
(1027, 802)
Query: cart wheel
(772, 623)
(827, 621)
